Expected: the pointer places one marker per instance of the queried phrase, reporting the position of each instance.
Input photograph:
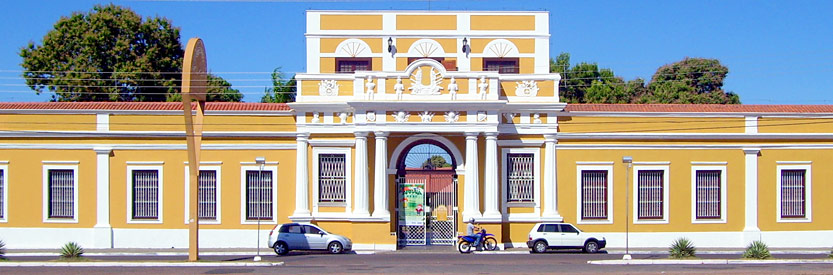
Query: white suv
(544, 236)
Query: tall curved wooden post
(193, 89)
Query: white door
(315, 238)
(294, 237)
(570, 236)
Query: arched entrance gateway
(426, 184)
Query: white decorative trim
(604, 166)
(102, 122)
(720, 166)
(146, 165)
(750, 227)
(60, 162)
(254, 167)
(206, 163)
(45, 203)
(808, 192)
(332, 142)
(520, 143)
(594, 162)
(348, 184)
(216, 168)
(536, 212)
(709, 163)
(638, 166)
(651, 163)
(793, 162)
(455, 152)
(144, 162)
(5, 195)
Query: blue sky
(778, 52)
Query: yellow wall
(426, 22)
(147, 123)
(821, 189)
(579, 124)
(310, 87)
(351, 22)
(503, 22)
(330, 45)
(44, 122)
(795, 125)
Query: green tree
(692, 81)
(436, 161)
(282, 90)
(218, 90)
(107, 54)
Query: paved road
(434, 263)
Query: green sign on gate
(413, 200)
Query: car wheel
(335, 248)
(591, 247)
(281, 248)
(539, 247)
(490, 244)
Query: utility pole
(193, 89)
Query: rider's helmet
(471, 220)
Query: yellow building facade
(405, 125)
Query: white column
(471, 191)
(751, 231)
(301, 179)
(360, 176)
(550, 180)
(490, 193)
(102, 229)
(380, 179)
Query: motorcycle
(488, 242)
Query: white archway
(353, 48)
(397, 153)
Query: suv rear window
(566, 228)
(547, 228)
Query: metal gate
(427, 207)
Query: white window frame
(808, 194)
(251, 166)
(4, 166)
(536, 203)
(348, 184)
(131, 166)
(217, 169)
(598, 167)
(60, 165)
(723, 191)
(635, 195)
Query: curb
(137, 264)
(98, 254)
(711, 262)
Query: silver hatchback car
(296, 236)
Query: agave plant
(682, 248)
(757, 250)
(71, 250)
(2, 249)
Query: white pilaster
(751, 123)
(102, 230)
(471, 190)
(361, 195)
(301, 180)
(380, 180)
(490, 193)
(550, 180)
(102, 122)
(751, 231)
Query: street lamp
(261, 161)
(628, 161)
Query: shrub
(682, 248)
(831, 254)
(71, 250)
(2, 249)
(757, 250)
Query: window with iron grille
(594, 194)
(145, 194)
(650, 194)
(349, 65)
(793, 194)
(2, 194)
(520, 177)
(707, 185)
(207, 195)
(61, 193)
(501, 65)
(332, 178)
(258, 195)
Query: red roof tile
(697, 108)
(142, 106)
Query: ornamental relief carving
(526, 88)
(328, 88)
(426, 116)
(433, 88)
(452, 116)
(401, 116)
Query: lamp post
(261, 161)
(628, 161)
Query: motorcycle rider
(472, 232)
